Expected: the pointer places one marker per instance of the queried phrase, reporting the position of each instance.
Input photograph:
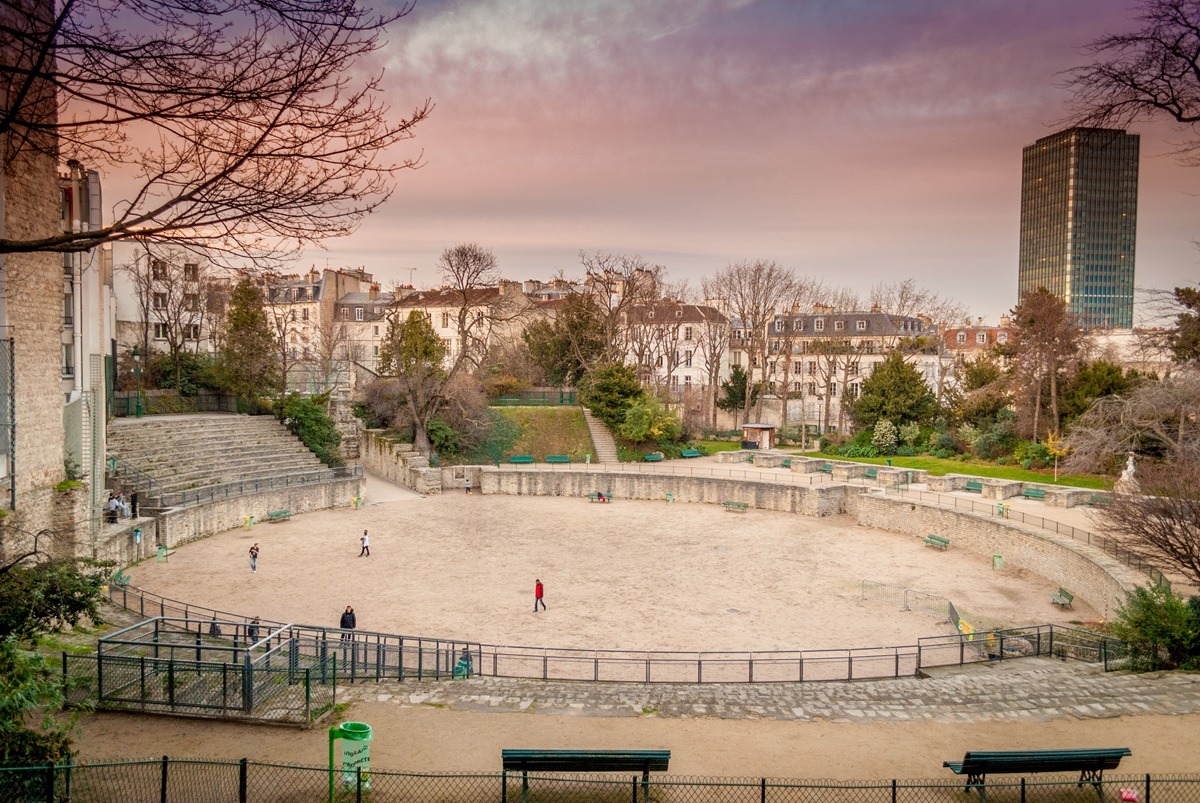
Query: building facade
(1079, 223)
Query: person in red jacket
(538, 592)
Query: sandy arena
(626, 575)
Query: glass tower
(1079, 222)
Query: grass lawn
(719, 446)
(550, 430)
(938, 467)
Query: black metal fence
(365, 655)
(170, 780)
(536, 396)
(161, 402)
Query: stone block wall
(179, 525)
(825, 500)
(1092, 575)
(398, 463)
(116, 542)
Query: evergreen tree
(609, 391)
(895, 391)
(247, 356)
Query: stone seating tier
(183, 459)
(199, 479)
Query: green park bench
(1063, 598)
(567, 761)
(600, 496)
(690, 453)
(558, 458)
(737, 507)
(939, 541)
(654, 457)
(787, 463)
(1089, 763)
(120, 579)
(520, 459)
(283, 514)
(509, 400)
(1034, 493)
(826, 467)
(974, 486)
(871, 474)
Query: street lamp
(137, 376)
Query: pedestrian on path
(349, 622)
(254, 558)
(252, 631)
(539, 592)
(468, 486)
(366, 545)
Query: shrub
(884, 438)
(854, 450)
(609, 391)
(942, 444)
(1031, 454)
(648, 420)
(910, 433)
(442, 437)
(305, 416)
(1161, 630)
(906, 451)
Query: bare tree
(249, 126)
(1159, 420)
(285, 329)
(170, 284)
(331, 354)
(753, 291)
(1151, 73)
(616, 284)
(1047, 341)
(714, 343)
(472, 278)
(1161, 523)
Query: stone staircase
(602, 439)
(186, 452)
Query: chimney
(373, 292)
(979, 321)
(1005, 321)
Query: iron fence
(157, 402)
(173, 780)
(364, 655)
(536, 396)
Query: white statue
(1127, 483)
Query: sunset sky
(856, 140)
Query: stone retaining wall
(811, 501)
(1093, 575)
(398, 463)
(179, 525)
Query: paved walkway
(1030, 689)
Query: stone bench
(738, 456)
(768, 459)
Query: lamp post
(137, 376)
(820, 420)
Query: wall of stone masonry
(398, 463)
(182, 524)
(1091, 574)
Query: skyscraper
(1079, 222)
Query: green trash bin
(356, 753)
(162, 553)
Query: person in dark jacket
(349, 622)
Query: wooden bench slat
(586, 760)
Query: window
(306, 352)
(377, 351)
(674, 383)
(819, 325)
(981, 338)
(779, 326)
(158, 269)
(687, 359)
(377, 331)
(304, 314)
(853, 369)
(192, 331)
(832, 389)
(852, 390)
(191, 272)
(358, 314)
(797, 367)
(160, 331)
(678, 313)
(812, 367)
(1002, 338)
(860, 326)
(961, 338)
(659, 361)
(798, 325)
(687, 381)
(344, 313)
(67, 267)
(737, 358)
(839, 326)
(160, 301)
(68, 307)
(754, 361)
(796, 387)
(445, 320)
(68, 368)
(812, 388)
(687, 333)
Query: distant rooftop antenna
(410, 276)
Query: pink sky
(857, 140)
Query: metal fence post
(48, 778)
(358, 785)
(893, 790)
(1147, 787)
(242, 780)
(762, 796)
(163, 786)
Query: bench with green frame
(787, 463)
(520, 459)
(654, 457)
(1063, 598)
(871, 474)
(690, 453)
(737, 507)
(558, 458)
(120, 579)
(1034, 493)
(974, 486)
(600, 496)
(826, 468)
(566, 761)
(939, 541)
(1089, 763)
(283, 514)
